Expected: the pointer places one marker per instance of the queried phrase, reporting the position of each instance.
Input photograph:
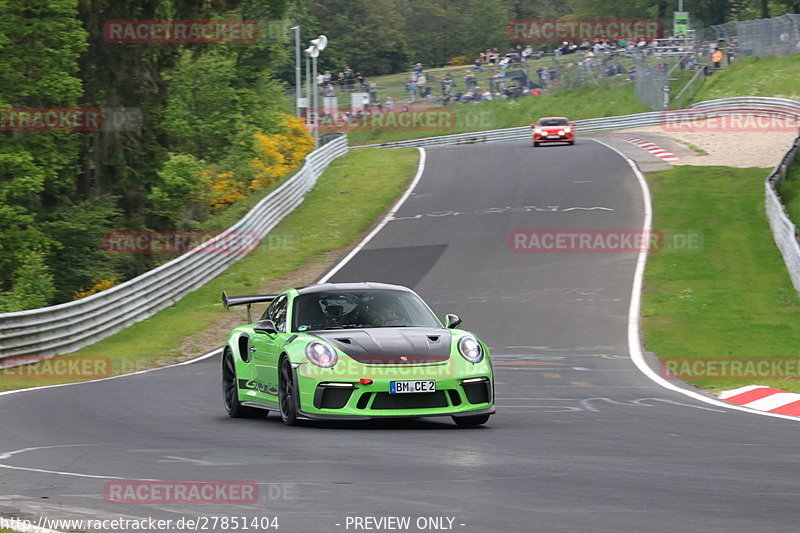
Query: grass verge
(753, 76)
(603, 100)
(732, 300)
(347, 199)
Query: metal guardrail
(710, 108)
(69, 326)
(783, 229)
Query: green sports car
(353, 351)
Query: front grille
(477, 392)
(421, 400)
(331, 397)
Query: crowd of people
(494, 75)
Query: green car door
(268, 346)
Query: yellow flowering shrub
(224, 188)
(99, 285)
(277, 154)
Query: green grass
(603, 100)
(734, 298)
(751, 76)
(789, 191)
(351, 194)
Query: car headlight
(561, 132)
(321, 354)
(537, 130)
(568, 130)
(470, 349)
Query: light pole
(308, 89)
(297, 71)
(313, 51)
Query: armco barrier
(69, 326)
(783, 229)
(710, 108)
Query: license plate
(402, 387)
(554, 136)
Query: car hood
(391, 345)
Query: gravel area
(728, 148)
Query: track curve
(582, 441)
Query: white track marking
(634, 332)
(386, 219)
(212, 353)
(7, 455)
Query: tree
(369, 33)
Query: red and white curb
(654, 149)
(764, 398)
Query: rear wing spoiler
(230, 301)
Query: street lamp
(317, 45)
(297, 74)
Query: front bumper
(339, 397)
(560, 138)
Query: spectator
(389, 104)
(372, 88)
(716, 58)
(478, 65)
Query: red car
(553, 129)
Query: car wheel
(287, 393)
(230, 391)
(571, 143)
(470, 421)
(535, 144)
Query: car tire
(535, 144)
(287, 393)
(571, 143)
(470, 421)
(230, 391)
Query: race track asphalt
(582, 441)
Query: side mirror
(573, 124)
(265, 326)
(452, 321)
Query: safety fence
(69, 326)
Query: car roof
(368, 285)
(554, 118)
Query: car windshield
(369, 308)
(553, 122)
